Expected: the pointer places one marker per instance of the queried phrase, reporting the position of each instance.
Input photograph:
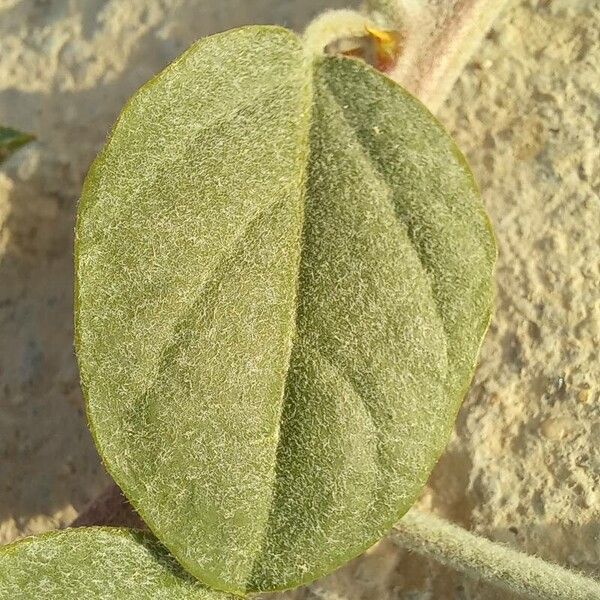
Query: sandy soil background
(524, 464)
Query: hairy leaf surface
(95, 563)
(284, 273)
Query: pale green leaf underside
(95, 563)
(284, 273)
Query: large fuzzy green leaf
(94, 563)
(284, 273)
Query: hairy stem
(514, 571)
(439, 38)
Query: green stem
(331, 26)
(500, 565)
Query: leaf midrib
(314, 64)
(309, 65)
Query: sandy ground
(524, 464)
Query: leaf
(284, 273)
(95, 563)
(11, 140)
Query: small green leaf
(284, 274)
(11, 140)
(95, 563)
